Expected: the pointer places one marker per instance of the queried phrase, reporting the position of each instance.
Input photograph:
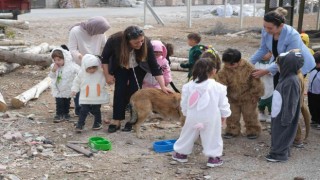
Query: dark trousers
(77, 106)
(125, 86)
(276, 79)
(94, 109)
(62, 106)
(314, 106)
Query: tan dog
(146, 101)
(298, 141)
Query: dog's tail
(306, 116)
(133, 114)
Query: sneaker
(214, 162)
(252, 136)
(180, 157)
(66, 117)
(262, 117)
(79, 129)
(57, 118)
(96, 126)
(269, 158)
(313, 124)
(298, 144)
(228, 136)
(268, 118)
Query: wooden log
(32, 93)
(15, 23)
(80, 149)
(12, 43)
(6, 16)
(176, 67)
(8, 67)
(13, 48)
(3, 105)
(41, 49)
(25, 58)
(178, 60)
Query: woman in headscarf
(87, 38)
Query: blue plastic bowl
(163, 146)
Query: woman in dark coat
(126, 58)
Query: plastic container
(163, 146)
(100, 143)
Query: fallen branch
(3, 105)
(78, 171)
(32, 93)
(15, 23)
(78, 142)
(25, 58)
(80, 150)
(8, 67)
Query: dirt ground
(130, 158)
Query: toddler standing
(160, 51)
(265, 101)
(314, 92)
(92, 86)
(62, 72)
(205, 104)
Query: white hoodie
(92, 87)
(62, 79)
(205, 101)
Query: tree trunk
(12, 43)
(6, 15)
(178, 60)
(3, 105)
(175, 66)
(32, 93)
(15, 23)
(25, 58)
(8, 67)
(41, 49)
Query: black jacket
(111, 56)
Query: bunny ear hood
(159, 46)
(199, 97)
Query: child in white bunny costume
(205, 104)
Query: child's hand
(255, 100)
(73, 94)
(54, 68)
(223, 121)
(80, 57)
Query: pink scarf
(94, 26)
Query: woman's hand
(110, 79)
(257, 73)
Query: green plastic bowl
(100, 143)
